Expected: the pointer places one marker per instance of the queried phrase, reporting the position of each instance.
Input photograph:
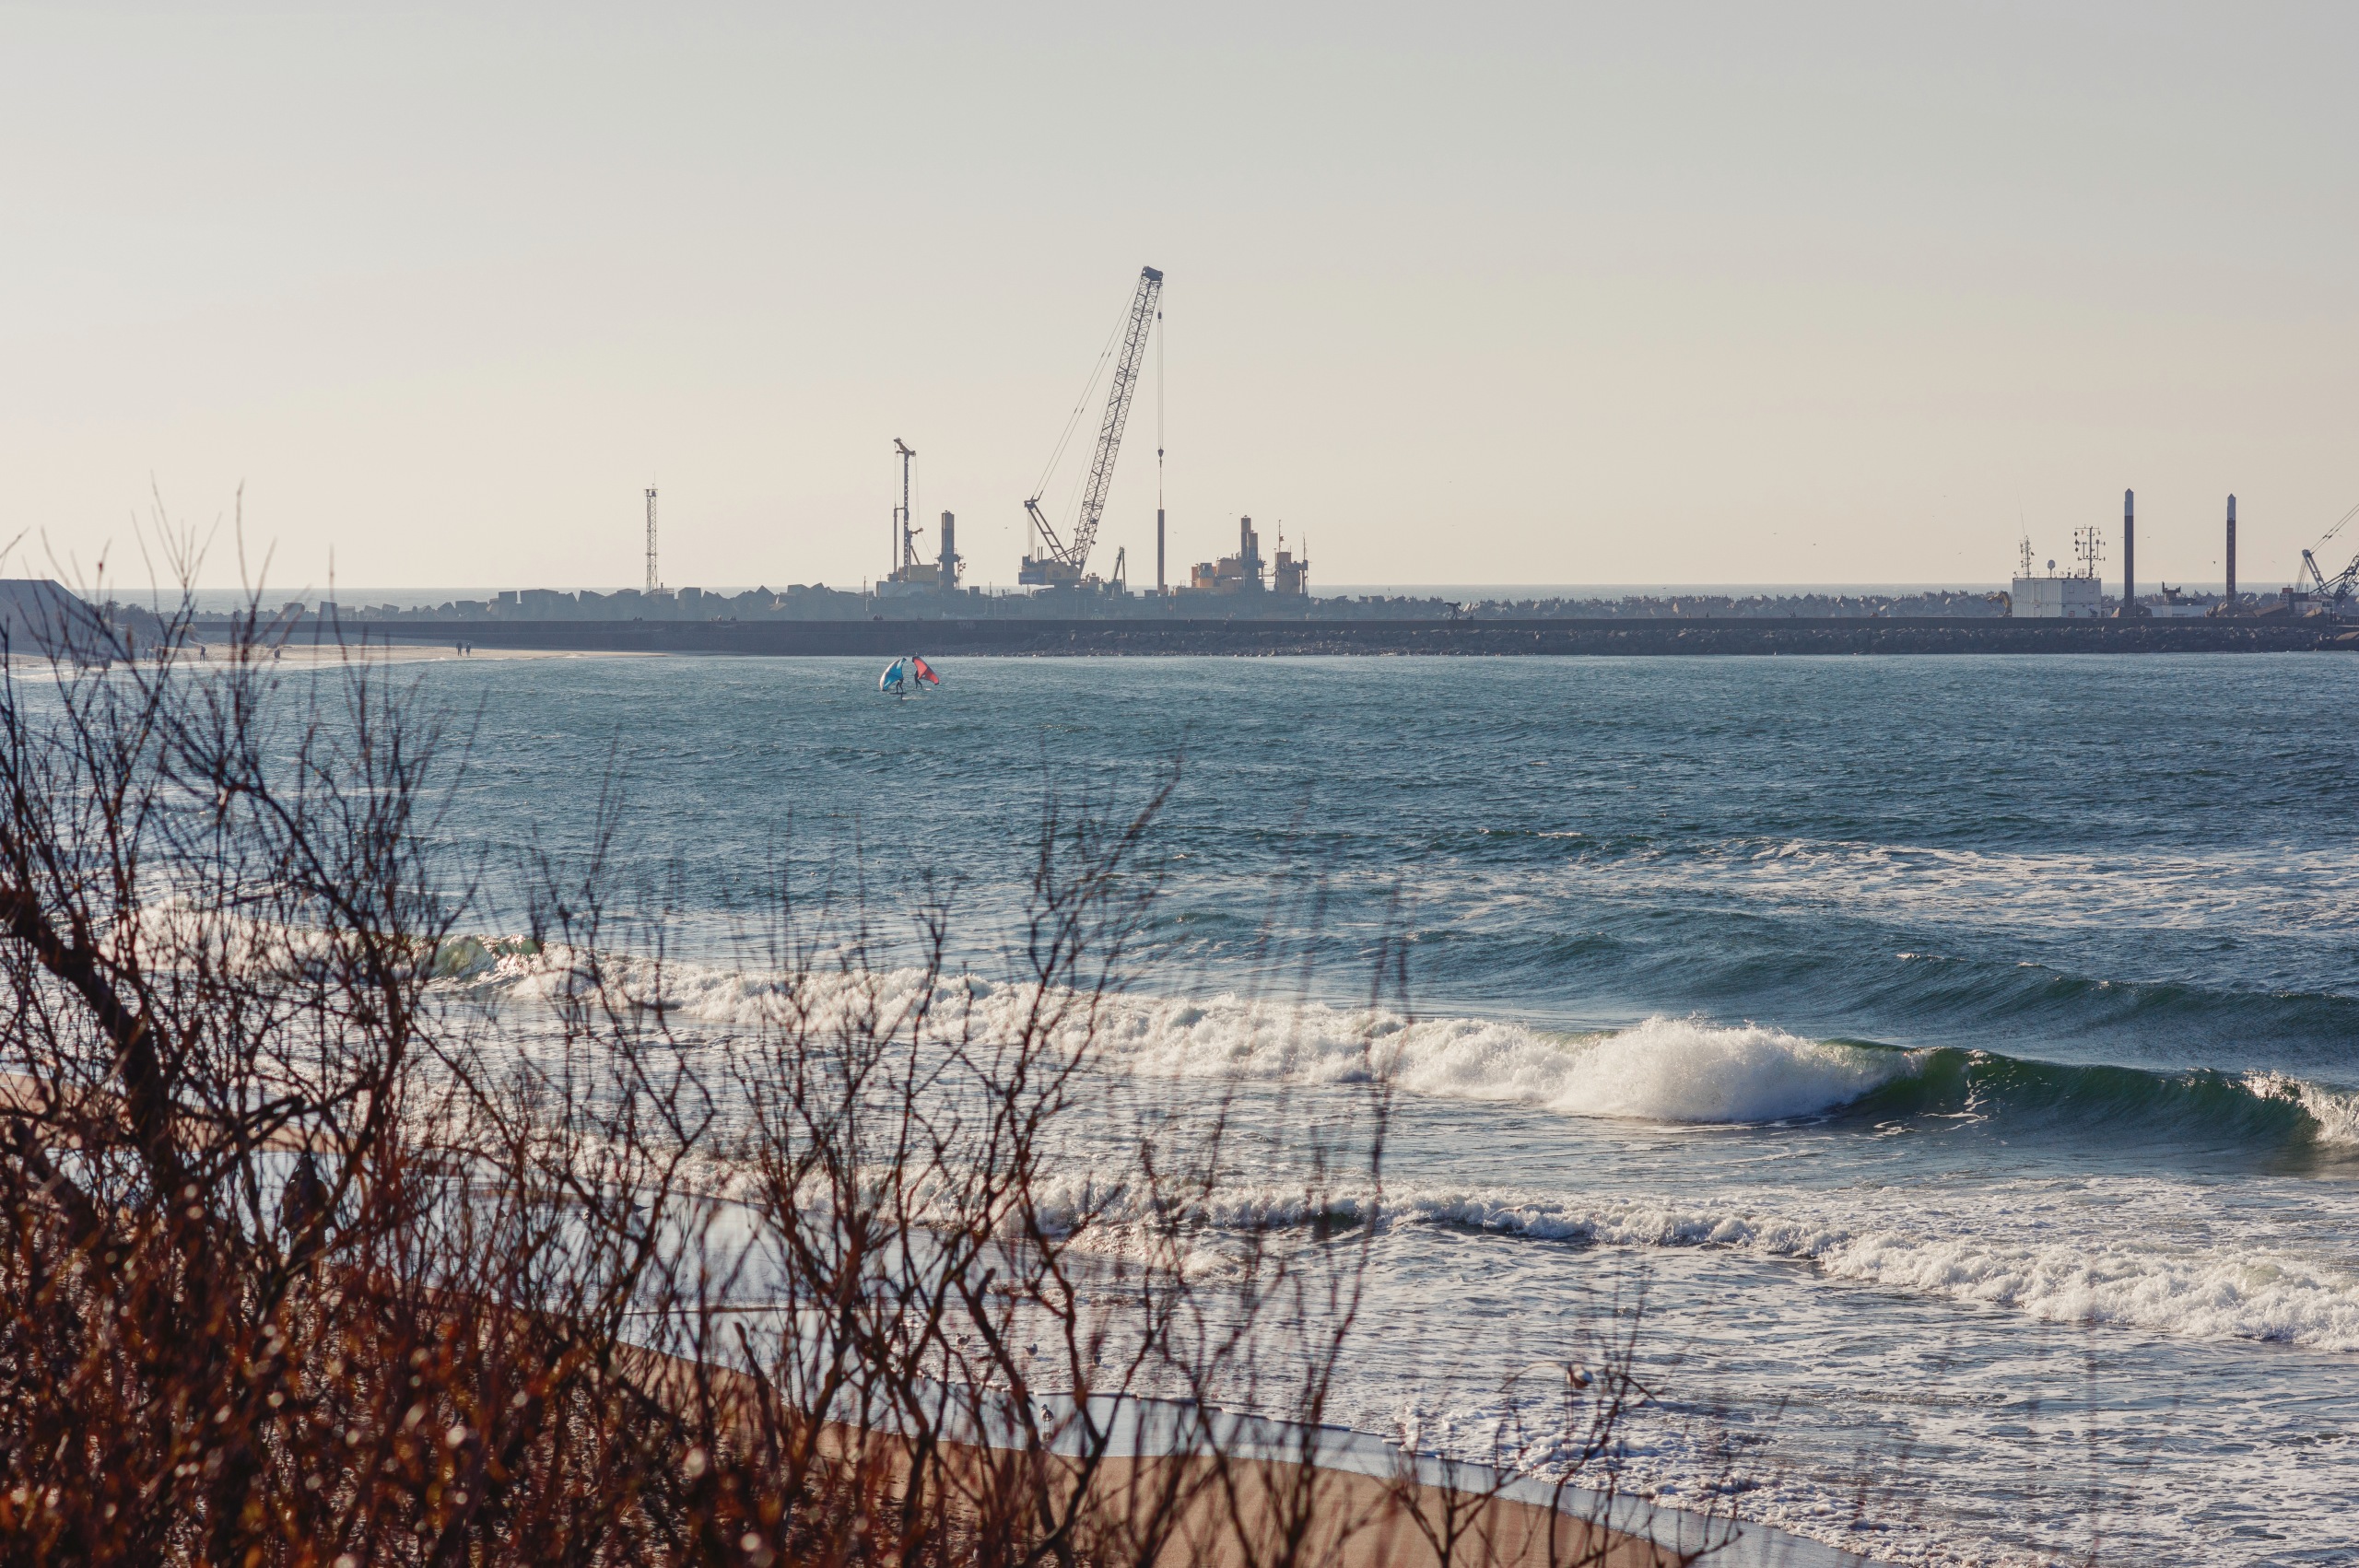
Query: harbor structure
(2053, 597)
(1231, 628)
(2072, 595)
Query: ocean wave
(2080, 1255)
(2333, 1116)
(1665, 1070)
(2069, 1274)
(2202, 1106)
(2260, 888)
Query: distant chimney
(950, 557)
(2128, 552)
(2232, 549)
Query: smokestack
(1158, 550)
(949, 568)
(2232, 549)
(2128, 552)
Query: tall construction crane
(2334, 594)
(905, 547)
(1055, 559)
(654, 583)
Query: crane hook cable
(2338, 527)
(1081, 406)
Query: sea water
(1959, 1057)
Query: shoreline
(1504, 1521)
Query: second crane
(1058, 559)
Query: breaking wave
(2115, 1263)
(1665, 1070)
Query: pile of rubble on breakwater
(1246, 638)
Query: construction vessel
(1241, 573)
(1060, 558)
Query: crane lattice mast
(654, 583)
(2334, 592)
(905, 552)
(1060, 561)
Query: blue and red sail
(903, 672)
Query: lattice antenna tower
(654, 583)
(2088, 545)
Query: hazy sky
(1463, 294)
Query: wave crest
(1665, 1070)
(2333, 1118)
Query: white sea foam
(1679, 1070)
(2080, 1261)
(2094, 1265)
(2281, 886)
(2335, 1115)
(1666, 1069)
(2097, 1267)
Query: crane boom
(1062, 561)
(2332, 593)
